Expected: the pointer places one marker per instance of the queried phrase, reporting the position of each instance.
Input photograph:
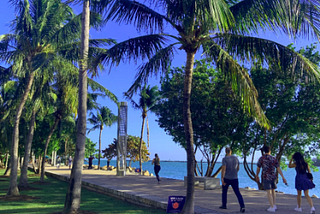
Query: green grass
(52, 196)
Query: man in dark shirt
(269, 164)
(90, 161)
(229, 176)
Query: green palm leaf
(253, 48)
(132, 49)
(97, 87)
(127, 11)
(240, 81)
(159, 62)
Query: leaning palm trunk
(140, 146)
(189, 205)
(73, 197)
(13, 187)
(8, 169)
(34, 167)
(27, 149)
(39, 164)
(7, 159)
(99, 148)
(148, 133)
(46, 147)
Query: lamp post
(122, 139)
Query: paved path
(146, 190)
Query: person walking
(108, 162)
(269, 164)
(302, 182)
(229, 176)
(156, 162)
(70, 162)
(90, 161)
(58, 162)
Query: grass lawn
(50, 197)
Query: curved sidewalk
(146, 191)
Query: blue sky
(121, 78)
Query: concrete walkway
(146, 191)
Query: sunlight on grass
(52, 195)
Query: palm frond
(240, 80)
(253, 48)
(133, 12)
(132, 49)
(95, 86)
(294, 18)
(94, 128)
(159, 62)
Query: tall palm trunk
(39, 163)
(13, 187)
(148, 133)
(140, 146)
(189, 205)
(27, 149)
(99, 147)
(7, 159)
(73, 197)
(8, 169)
(65, 148)
(43, 165)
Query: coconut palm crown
(103, 118)
(225, 31)
(149, 96)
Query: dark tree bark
(140, 145)
(27, 149)
(73, 197)
(8, 169)
(13, 187)
(189, 205)
(101, 128)
(43, 165)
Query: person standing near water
(58, 162)
(90, 161)
(269, 164)
(156, 162)
(302, 182)
(70, 161)
(229, 176)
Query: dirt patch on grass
(28, 188)
(78, 212)
(41, 183)
(24, 189)
(17, 198)
(33, 175)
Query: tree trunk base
(23, 184)
(13, 191)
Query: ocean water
(177, 170)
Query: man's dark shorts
(269, 184)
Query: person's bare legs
(299, 198)
(273, 196)
(306, 194)
(270, 197)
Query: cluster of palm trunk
(222, 29)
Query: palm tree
(223, 30)
(40, 30)
(131, 49)
(66, 86)
(148, 99)
(103, 117)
